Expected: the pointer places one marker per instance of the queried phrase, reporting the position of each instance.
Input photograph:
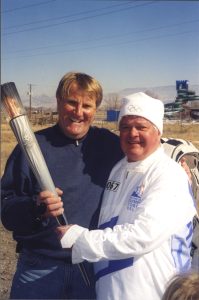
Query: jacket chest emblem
(135, 198)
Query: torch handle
(61, 219)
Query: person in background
(80, 158)
(183, 286)
(145, 223)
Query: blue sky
(124, 44)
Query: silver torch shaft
(23, 132)
(14, 109)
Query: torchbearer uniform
(145, 230)
(145, 224)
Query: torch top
(11, 101)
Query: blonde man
(79, 157)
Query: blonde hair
(84, 82)
(183, 286)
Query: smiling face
(138, 137)
(76, 112)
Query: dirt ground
(8, 262)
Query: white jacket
(145, 230)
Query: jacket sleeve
(166, 207)
(18, 186)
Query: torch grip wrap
(26, 139)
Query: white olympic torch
(20, 125)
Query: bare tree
(112, 101)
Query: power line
(107, 45)
(26, 6)
(80, 19)
(108, 37)
(68, 16)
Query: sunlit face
(76, 112)
(138, 137)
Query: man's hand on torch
(53, 204)
(61, 230)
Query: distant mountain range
(40, 101)
(164, 93)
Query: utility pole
(30, 100)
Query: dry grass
(188, 132)
(7, 144)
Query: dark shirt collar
(68, 139)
